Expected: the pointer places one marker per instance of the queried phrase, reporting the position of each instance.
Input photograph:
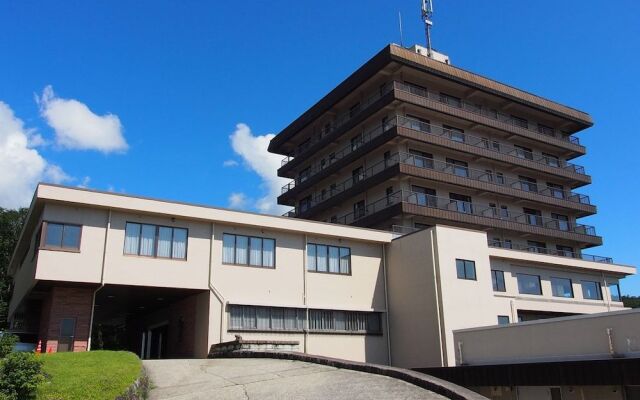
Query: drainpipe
(212, 288)
(606, 292)
(304, 292)
(95, 292)
(386, 302)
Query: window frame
(494, 281)
(43, 238)
(248, 255)
(617, 286)
(254, 308)
(464, 264)
(502, 317)
(598, 288)
(155, 241)
(540, 293)
(553, 291)
(327, 246)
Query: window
(533, 217)
(359, 209)
(503, 320)
(304, 204)
(155, 241)
(451, 100)
(523, 152)
(561, 221)
(421, 159)
(354, 109)
(265, 318)
(497, 277)
(529, 284)
(357, 175)
(551, 160)
(466, 269)
(528, 184)
(356, 142)
(561, 287)
(62, 236)
(455, 134)
(345, 321)
(519, 121)
(499, 178)
(328, 259)
(545, 130)
(416, 89)
(537, 247)
(564, 251)
(304, 174)
(508, 244)
(461, 202)
(504, 212)
(556, 190)
(248, 250)
(614, 290)
(460, 168)
(419, 124)
(591, 290)
(424, 196)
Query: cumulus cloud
(238, 201)
(230, 163)
(77, 127)
(253, 150)
(21, 165)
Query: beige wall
(549, 340)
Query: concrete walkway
(253, 378)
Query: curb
(436, 385)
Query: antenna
(400, 22)
(427, 13)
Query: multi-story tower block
(409, 141)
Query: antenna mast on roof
(427, 13)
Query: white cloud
(21, 166)
(238, 200)
(84, 183)
(253, 150)
(230, 163)
(77, 127)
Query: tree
(11, 222)
(631, 301)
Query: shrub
(7, 342)
(20, 374)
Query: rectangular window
(421, 159)
(561, 221)
(418, 124)
(523, 152)
(345, 321)
(62, 236)
(533, 217)
(455, 134)
(497, 278)
(466, 269)
(556, 190)
(248, 250)
(551, 160)
(614, 290)
(528, 184)
(564, 251)
(329, 259)
(561, 287)
(499, 178)
(529, 284)
(460, 168)
(519, 121)
(503, 320)
(451, 100)
(461, 203)
(591, 290)
(248, 318)
(536, 247)
(155, 241)
(545, 130)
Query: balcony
(342, 119)
(554, 252)
(483, 111)
(467, 214)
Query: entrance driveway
(263, 378)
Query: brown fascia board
(401, 55)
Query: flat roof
(394, 53)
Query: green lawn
(94, 375)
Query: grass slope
(93, 375)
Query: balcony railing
(344, 117)
(554, 252)
(340, 120)
(340, 154)
(485, 143)
(464, 207)
(482, 110)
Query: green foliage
(11, 222)
(20, 374)
(7, 342)
(631, 301)
(93, 375)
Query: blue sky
(168, 82)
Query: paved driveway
(263, 378)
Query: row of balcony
(427, 128)
(462, 207)
(554, 252)
(345, 117)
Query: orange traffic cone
(39, 347)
